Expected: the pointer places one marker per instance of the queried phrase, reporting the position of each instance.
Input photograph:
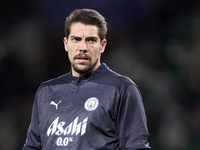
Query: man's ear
(103, 45)
(65, 43)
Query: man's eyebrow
(92, 37)
(87, 38)
(73, 36)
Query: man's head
(87, 17)
(84, 40)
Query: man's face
(84, 48)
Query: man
(91, 107)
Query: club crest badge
(91, 104)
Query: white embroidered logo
(56, 105)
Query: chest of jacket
(70, 114)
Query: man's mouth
(82, 58)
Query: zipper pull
(77, 80)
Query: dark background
(154, 42)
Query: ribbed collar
(91, 75)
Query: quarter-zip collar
(89, 76)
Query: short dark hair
(88, 17)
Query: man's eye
(75, 39)
(92, 40)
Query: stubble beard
(85, 70)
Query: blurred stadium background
(154, 42)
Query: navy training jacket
(100, 111)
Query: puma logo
(56, 105)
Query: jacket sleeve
(131, 120)
(33, 141)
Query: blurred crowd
(156, 43)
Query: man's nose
(83, 46)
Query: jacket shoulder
(113, 78)
(63, 79)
